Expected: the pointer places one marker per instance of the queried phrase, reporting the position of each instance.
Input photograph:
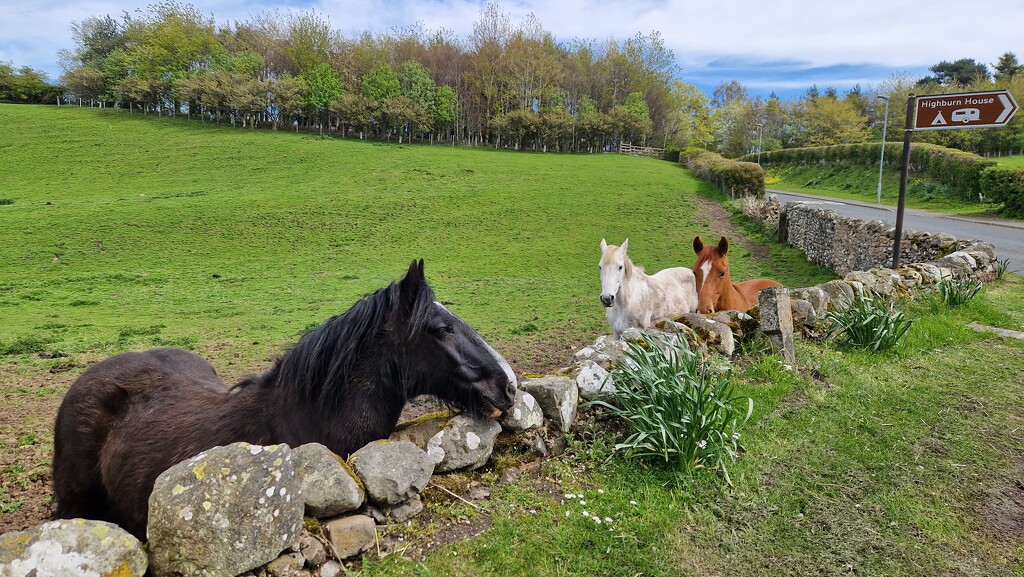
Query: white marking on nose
(509, 373)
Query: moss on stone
(312, 525)
(435, 416)
(122, 570)
(351, 472)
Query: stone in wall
(224, 511)
(558, 397)
(72, 547)
(329, 486)
(392, 471)
(777, 320)
(524, 414)
(815, 296)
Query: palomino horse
(715, 289)
(635, 299)
(128, 418)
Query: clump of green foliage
(730, 176)
(1005, 185)
(957, 291)
(871, 323)
(682, 412)
(1001, 267)
(25, 344)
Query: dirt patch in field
(1003, 512)
(29, 399)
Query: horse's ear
(604, 246)
(723, 246)
(625, 245)
(698, 245)
(412, 282)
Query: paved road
(1006, 235)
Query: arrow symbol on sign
(1007, 108)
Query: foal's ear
(723, 246)
(698, 244)
(604, 246)
(625, 245)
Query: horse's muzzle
(607, 300)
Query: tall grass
(957, 291)
(871, 323)
(682, 412)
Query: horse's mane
(325, 357)
(631, 267)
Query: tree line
(504, 84)
(507, 84)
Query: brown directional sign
(965, 110)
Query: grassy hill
(123, 232)
(188, 233)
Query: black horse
(128, 418)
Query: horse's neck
(357, 414)
(731, 297)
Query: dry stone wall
(845, 244)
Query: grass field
(126, 232)
(188, 233)
(1016, 161)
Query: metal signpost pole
(908, 131)
(881, 161)
(760, 129)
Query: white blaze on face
(611, 271)
(706, 269)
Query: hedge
(730, 176)
(1005, 185)
(959, 170)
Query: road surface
(1006, 235)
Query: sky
(781, 46)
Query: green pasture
(126, 230)
(120, 232)
(1014, 161)
(855, 182)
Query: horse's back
(679, 286)
(96, 408)
(751, 288)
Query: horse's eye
(620, 267)
(442, 330)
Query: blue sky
(783, 46)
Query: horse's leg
(81, 429)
